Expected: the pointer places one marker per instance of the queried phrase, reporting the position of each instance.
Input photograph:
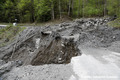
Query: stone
(2, 62)
(46, 32)
(19, 63)
(56, 53)
(6, 67)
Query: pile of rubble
(56, 44)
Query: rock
(19, 63)
(79, 21)
(56, 53)
(2, 62)
(114, 37)
(64, 24)
(46, 33)
(73, 37)
(113, 17)
(6, 40)
(6, 67)
(56, 44)
(35, 41)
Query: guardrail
(2, 26)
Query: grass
(8, 33)
(115, 23)
(51, 22)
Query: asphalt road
(3, 25)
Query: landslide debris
(36, 46)
(7, 34)
(59, 43)
(59, 50)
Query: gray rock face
(91, 31)
(22, 41)
(45, 51)
(6, 67)
(57, 51)
(2, 62)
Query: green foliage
(115, 23)
(112, 7)
(8, 33)
(9, 11)
(41, 10)
(91, 11)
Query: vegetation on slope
(115, 23)
(8, 34)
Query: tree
(79, 8)
(60, 8)
(1, 10)
(53, 13)
(83, 8)
(44, 10)
(105, 7)
(69, 9)
(9, 11)
(32, 17)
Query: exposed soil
(59, 43)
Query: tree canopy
(44, 10)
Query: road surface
(3, 25)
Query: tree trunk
(53, 13)
(105, 6)
(98, 3)
(69, 10)
(32, 11)
(83, 8)
(79, 9)
(72, 7)
(119, 8)
(60, 8)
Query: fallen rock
(6, 67)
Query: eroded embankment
(59, 43)
(36, 47)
